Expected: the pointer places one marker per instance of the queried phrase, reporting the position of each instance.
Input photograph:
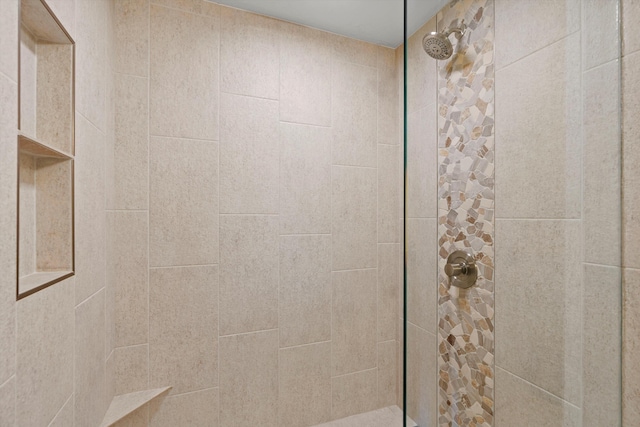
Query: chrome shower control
(461, 269)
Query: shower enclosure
(513, 155)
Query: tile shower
(210, 175)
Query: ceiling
(374, 21)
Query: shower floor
(390, 416)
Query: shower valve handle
(461, 269)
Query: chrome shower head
(438, 46)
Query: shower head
(438, 46)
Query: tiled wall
(256, 217)
(54, 345)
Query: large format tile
(631, 153)
(353, 213)
(305, 290)
(353, 345)
(8, 402)
(183, 202)
(630, 16)
(131, 37)
(249, 155)
(354, 103)
(64, 417)
(90, 219)
(388, 194)
(305, 385)
(131, 369)
(601, 346)
(305, 179)
(422, 164)
(388, 286)
(198, 7)
(248, 273)
(127, 253)
(249, 54)
(197, 409)
(354, 393)
(347, 49)
(44, 360)
(305, 76)
(131, 144)
(422, 389)
(184, 66)
(601, 32)
(548, 83)
(388, 101)
(249, 379)
(537, 317)
(524, 27)
(89, 403)
(422, 273)
(519, 402)
(9, 38)
(601, 169)
(183, 328)
(387, 371)
(631, 347)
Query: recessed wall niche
(46, 150)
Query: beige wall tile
(422, 171)
(248, 273)
(131, 368)
(631, 152)
(305, 385)
(388, 194)
(601, 33)
(546, 351)
(602, 159)
(347, 49)
(520, 400)
(249, 379)
(131, 33)
(631, 347)
(128, 254)
(601, 358)
(249, 54)
(388, 93)
(388, 274)
(44, 360)
(249, 155)
(184, 60)
(525, 27)
(8, 227)
(354, 393)
(630, 37)
(353, 213)
(65, 11)
(422, 75)
(138, 418)
(131, 144)
(354, 114)
(89, 403)
(28, 76)
(422, 388)
(8, 402)
(9, 39)
(551, 122)
(91, 64)
(197, 409)
(305, 179)
(192, 6)
(305, 290)
(305, 76)
(183, 202)
(387, 371)
(64, 417)
(422, 273)
(353, 345)
(90, 218)
(183, 302)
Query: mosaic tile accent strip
(466, 216)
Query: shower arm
(460, 30)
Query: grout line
(89, 297)
(244, 95)
(355, 373)
(159, 267)
(71, 396)
(150, 135)
(247, 333)
(354, 269)
(304, 345)
(148, 211)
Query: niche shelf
(46, 148)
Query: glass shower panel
(513, 156)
